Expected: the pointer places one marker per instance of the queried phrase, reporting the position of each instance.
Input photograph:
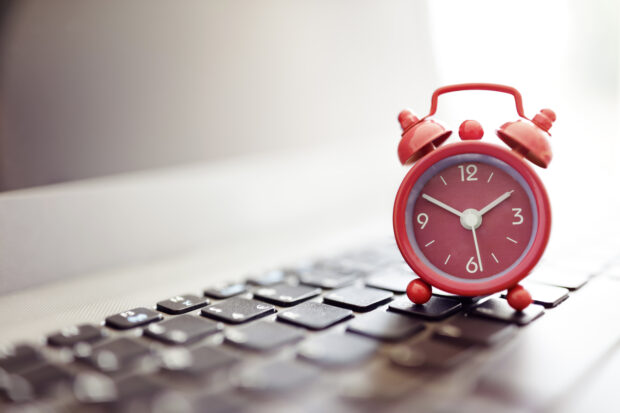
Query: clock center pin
(471, 218)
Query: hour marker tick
(494, 257)
(490, 176)
(429, 243)
(511, 240)
(443, 180)
(447, 259)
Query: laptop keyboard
(243, 345)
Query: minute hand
(442, 205)
(495, 203)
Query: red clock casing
(472, 285)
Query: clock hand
(442, 205)
(473, 231)
(495, 203)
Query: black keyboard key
(40, 380)
(548, 296)
(275, 377)
(132, 318)
(385, 325)
(431, 354)
(182, 304)
(474, 331)
(315, 316)
(263, 335)
(499, 309)
(238, 310)
(19, 358)
(69, 337)
(393, 280)
(323, 278)
(268, 278)
(113, 355)
(223, 291)
(435, 309)
(286, 295)
(358, 298)
(197, 362)
(183, 329)
(337, 350)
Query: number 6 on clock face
(471, 218)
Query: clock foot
(518, 297)
(419, 291)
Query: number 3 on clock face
(472, 218)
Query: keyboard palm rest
(550, 355)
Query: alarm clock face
(470, 222)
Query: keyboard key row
(328, 273)
(328, 350)
(312, 315)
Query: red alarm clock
(473, 218)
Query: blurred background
(91, 88)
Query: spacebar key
(554, 352)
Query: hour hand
(495, 203)
(442, 205)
